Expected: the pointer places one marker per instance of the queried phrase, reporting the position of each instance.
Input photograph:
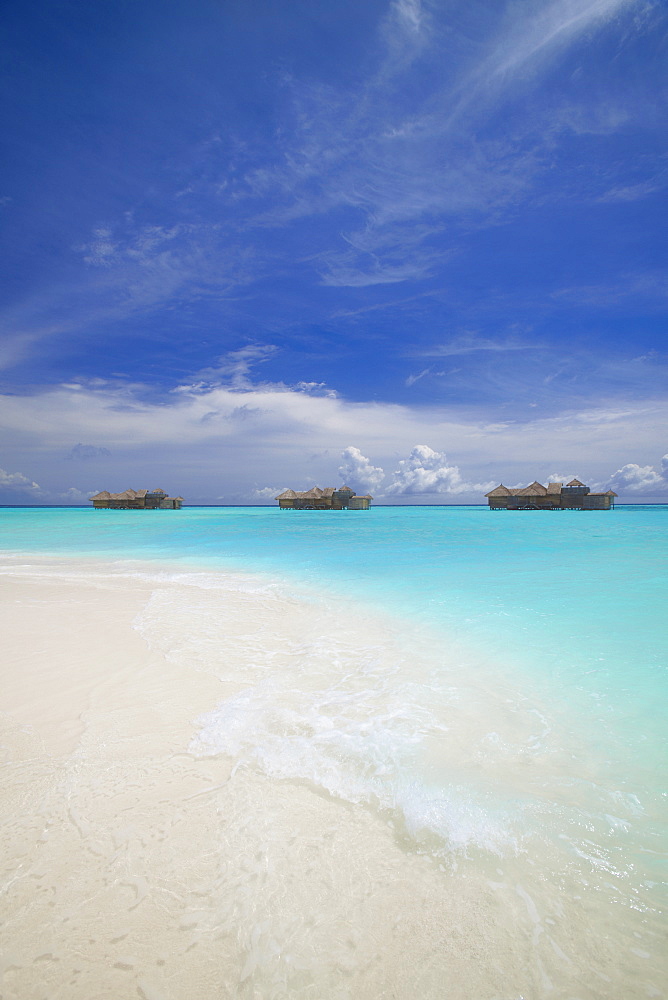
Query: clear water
(492, 684)
(578, 596)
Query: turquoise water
(581, 596)
(517, 708)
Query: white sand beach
(137, 865)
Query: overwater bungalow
(555, 496)
(136, 500)
(330, 498)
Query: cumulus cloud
(16, 481)
(85, 452)
(564, 478)
(634, 478)
(426, 471)
(356, 469)
(267, 492)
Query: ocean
(439, 733)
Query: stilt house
(555, 496)
(136, 500)
(328, 499)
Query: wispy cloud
(409, 162)
(232, 369)
(470, 343)
(401, 156)
(631, 192)
(152, 265)
(648, 287)
(529, 43)
(515, 374)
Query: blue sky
(417, 244)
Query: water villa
(136, 500)
(555, 496)
(342, 498)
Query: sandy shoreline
(135, 866)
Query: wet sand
(134, 866)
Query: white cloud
(16, 481)
(316, 389)
(427, 472)
(556, 477)
(267, 492)
(409, 13)
(412, 379)
(221, 441)
(530, 42)
(232, 369)
(357, 470)
(634, 478)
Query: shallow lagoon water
(577, 597)
(489, 687)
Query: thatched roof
(610, 493)
(575, 482)
(315, 493)
(534, 489)
(499, 491)
(554, 487)
(129, 494)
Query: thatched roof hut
(554, 496)
(328, 498)
(136, 500)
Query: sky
(416, 246)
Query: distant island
(136, 500)
(330, 498)
(555, 496)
